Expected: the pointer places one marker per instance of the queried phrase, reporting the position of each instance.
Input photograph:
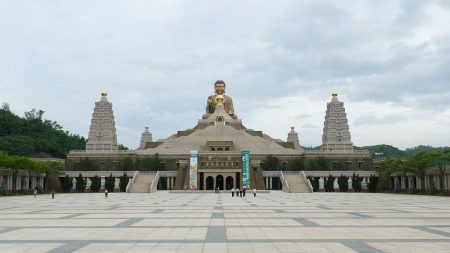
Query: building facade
(219, 138)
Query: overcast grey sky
(389, 61)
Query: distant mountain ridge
(384, 150)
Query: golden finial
(334, 94)
(104, 94)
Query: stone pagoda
(146, 137)
(336, 133)
(293, 137)
(102, 133)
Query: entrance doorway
(229, 183)
(209, 183)
(219, 182)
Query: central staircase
(296, 181)
(142, 182)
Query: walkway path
(208, 222)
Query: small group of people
(35, 192)
(240, 192)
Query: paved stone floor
(208, 222)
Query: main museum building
(212, 153)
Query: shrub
(66, 183)
(95, 183)
(373, 182)
(356, 183)
(329, 183)
(123, 182)
(81, 183)
(314, 182)
(343, 183)
(109, 183)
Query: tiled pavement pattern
(208, 222)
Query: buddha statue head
(219, 87)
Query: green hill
(34, 137)
(383, 150)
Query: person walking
(232, 192)
(106, 193)
(218, 190)
(35, 192)
(243, 191)
(53, 193)
(240, 191)
(254, 192)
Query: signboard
(246, 169)
(193, 169)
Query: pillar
(270, 183)
(204, 182)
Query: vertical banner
(246, 169)
(193, 169)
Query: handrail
(153, 185)
(292, 172)
(307, 182)
(131, 182)
(285, 182)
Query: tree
(271, 163)
(373, 182)
(95, 183)
(421, 162)
(66, 183)
(32, 136)
(5, 107)
(110, 182)
(319, 163)
(34, 114)
(314, 183)
(339, 165)
(122, 147)
(297, 164)
(85, 164)
(81, 183)
(440, 159)
(392, 165)
(123, 182)
(356, 183)
(151, 163)
(343, 183)
(329, 183)
(126, 164)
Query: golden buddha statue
(221, 98)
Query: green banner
(246, 169)
(193, 168)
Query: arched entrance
(209, 183)
(219, 182)
(229, 183)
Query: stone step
(141, 184)
(297, 183)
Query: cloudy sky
(389, 61)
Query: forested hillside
(34, 137)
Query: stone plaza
(180, 221)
